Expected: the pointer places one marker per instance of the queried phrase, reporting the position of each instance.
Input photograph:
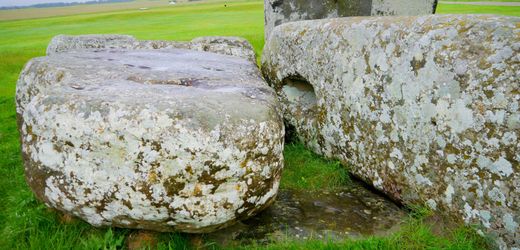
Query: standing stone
(165, 140)
(282, 11)
(426, 109)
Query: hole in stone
(187, 82)
(291, 136)
(299, 92)
(213, 69)
(301, 102)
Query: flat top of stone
(225, 45)
(205, 86)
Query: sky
(5, 3)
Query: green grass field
(476, 9)
(27, 224)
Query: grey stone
(166, 140)
(281, 11)
(64, 43)
(425, 109)
(233, 46)
(300, 214)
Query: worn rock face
(282, 11)
(351, 212)
(166, 140)
(424, 108)
(233, 46)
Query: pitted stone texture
(424, 108)
(167, 140)
(233, 46)
(282, 11)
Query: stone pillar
(282, 11)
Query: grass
(478, 9)
(27, 224)
(415, 235)
(308, 171)
(30, 13)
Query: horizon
(23, 3)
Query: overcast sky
(30, 2)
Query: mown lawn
(478, 9)
(27, 224)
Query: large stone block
(281, 11)
(424, 108)
(167, 140)
(233, 46)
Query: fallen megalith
(425, 109)
(282, 11)
(233, 46)
(165, 140)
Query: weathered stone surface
(154, 139)
(282, 11)
(351, 212)
(424, 108)
(233, 46)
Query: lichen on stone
(166, 140)
(423, 108)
